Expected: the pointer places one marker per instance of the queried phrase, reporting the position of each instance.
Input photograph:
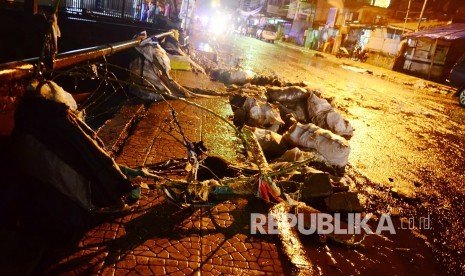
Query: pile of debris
(283, 123)
(294, 123)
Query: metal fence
(125, 9)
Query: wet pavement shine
(156, 237)
(407, 151)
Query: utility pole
(406, 16)
(421, 14)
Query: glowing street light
(215, 3)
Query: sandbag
(256, 91)
(271, 142)
(231, 76)
(323, 115)
(317, 105)
(333, 147)
(293, 155)
(237, 99)
(298, 110)
(287, 94)
(262, 114)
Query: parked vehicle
(250, 30)
(342, 52)
(267, 32)
(457, 79)
(359, 55)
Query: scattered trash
(53, 92)
(420, 84)
(288, 130)
(134, 194)
(179, 60)
(150, 74)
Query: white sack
(256, 91)
(292, 155)
(333, 147)
(298, 111)
(262, 114)
(231, 76)
(271, 142)
(322, 114)
(287, 94)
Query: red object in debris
(263, 189)
(266, 192)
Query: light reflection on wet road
(406, 138)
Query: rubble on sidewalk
(289, 123)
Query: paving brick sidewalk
(158, 238)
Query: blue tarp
(449, 32)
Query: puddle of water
(355, 69)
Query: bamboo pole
(421, 14)
(17, 70)
(406, 16)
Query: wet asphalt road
(407, 154)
